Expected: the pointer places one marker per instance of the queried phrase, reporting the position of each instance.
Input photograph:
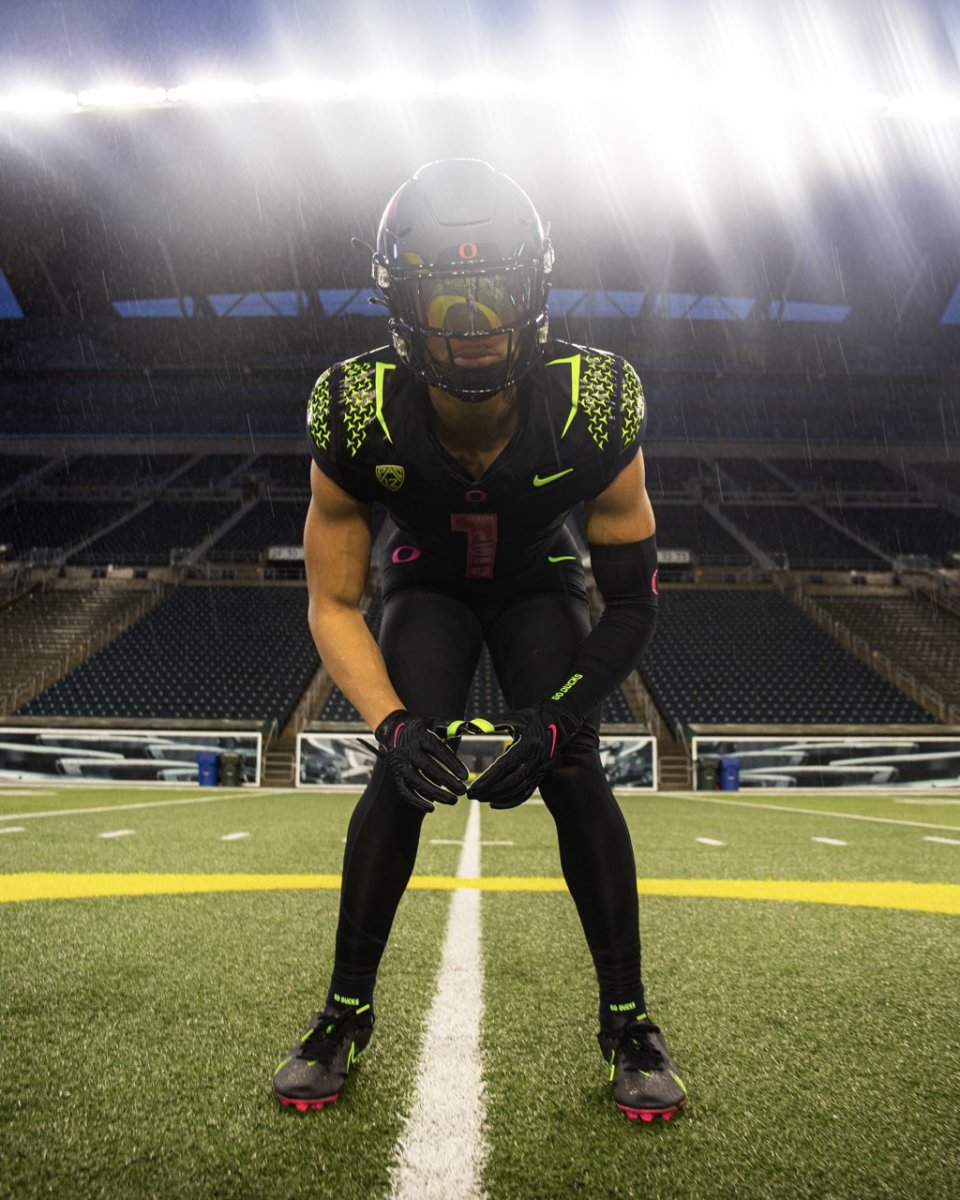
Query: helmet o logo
(468, 250)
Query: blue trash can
(208, 768)
(729, 773)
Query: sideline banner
(119, 756)
(345, 760)
(832, 762)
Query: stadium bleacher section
(904, 530)
(691, 527)
(40, 528)
(206, 652)
(847, 475)
(154, 533)
(744, 656)
(114, 470)
(267, 523)
(914, 632)
(800, 539)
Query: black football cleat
(644, 1076)
(312, 1074)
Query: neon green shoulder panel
(318, 414)
(633, 407)
(598, 391)
(359, 402)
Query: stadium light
(122, 96)
(208, 92)
(665, 94)
(39, 103)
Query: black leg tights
(598, 863)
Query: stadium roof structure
(690, 237)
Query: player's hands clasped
(425, 769)
(539, 733)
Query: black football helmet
(461, 256)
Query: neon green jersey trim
(555, 558)
(574, 362)
(382, 369)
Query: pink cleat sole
(307, 1105)
(647, 1114)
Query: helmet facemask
(463, 265)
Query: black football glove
(539, 733)
(424, 768)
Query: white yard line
(709, 842)
(233, 837)
(809, 812)
(13, 829)
(115, 833)
(442, 1147)
(944, 841)
(111, 808)
(829, 841)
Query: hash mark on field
(115, 833)
(829, 841)
(806, 812)
(445, 842)
(14, 829)
(497, 843)
(233, 837)
(944, 841)
(709, 842)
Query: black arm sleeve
(626, 576)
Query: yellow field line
(916, 897)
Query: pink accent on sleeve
(553, 744)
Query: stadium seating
(42, 527)
(690, 527)
(675, 475)
(904, 530)
(114, 471)
(801, 538)
(40, 630)
(913, 632)
(846, 475)
(206, 652)
(268, 523)
(746, 656)
(209, 472)
(748, 475)
(281, 472)
(947, 474)
(151, 535)
(14, 467)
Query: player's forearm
(353, 660)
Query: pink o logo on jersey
(475, 496)
(653, 581)
(405, 554)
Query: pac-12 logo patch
(391, 476)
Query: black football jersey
(582, 416)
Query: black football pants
(431, 641)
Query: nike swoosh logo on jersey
(541, 480)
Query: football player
(479, 434)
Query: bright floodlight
(122, 97)
(212, 91)
(39, 102)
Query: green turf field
(820, 1039)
